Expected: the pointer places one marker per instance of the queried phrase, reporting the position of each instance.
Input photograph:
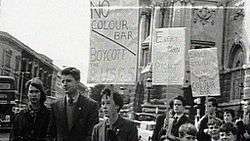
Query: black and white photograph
(124, 70)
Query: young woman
(32, 123)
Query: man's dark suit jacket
(85, 116)
(158, 131)
(123, 130)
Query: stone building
(23, 63)
(10, 57)
(212, 23)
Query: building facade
(23, 63)
(211, 23)
(10, 57)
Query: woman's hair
(37, 83)
(230, 111)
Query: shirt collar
(41, 109)
(178, 116)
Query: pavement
(4, 136)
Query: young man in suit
(211, 112)
(114, 127)
(174, 122)
(162, 123)
(213, 129)
(74, 116)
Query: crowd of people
(75, 117)
(177, 126)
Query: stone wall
(7, 47)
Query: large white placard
(168, 56)
(204, 72)
(113, 42)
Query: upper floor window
(7, 58)
(145, 57)
(236, 61)
(17, 63)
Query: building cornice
(22, 46)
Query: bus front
(7, 101)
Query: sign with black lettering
(168, 56)
(204, 72)
(113, 42)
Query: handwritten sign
(113, 42)
(168, 56)
(204, 72)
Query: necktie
(175, 120)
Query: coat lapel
(181, 120)
(77, 110)
(103, 133)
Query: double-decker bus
(7, 101)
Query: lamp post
(148, 86)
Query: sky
(58, 29)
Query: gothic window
(145, 57)
(147, 29)
(165, 15)
(236, 62)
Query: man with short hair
(213, 128)
(187, 132)
(211, 108)
(73, 116)
(113, 127)
(177, 120)
(162, 122)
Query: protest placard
(113, 42)
(204, 72)
(168, 56)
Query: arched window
(236, 56)
(236, 62)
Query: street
(4, 136)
